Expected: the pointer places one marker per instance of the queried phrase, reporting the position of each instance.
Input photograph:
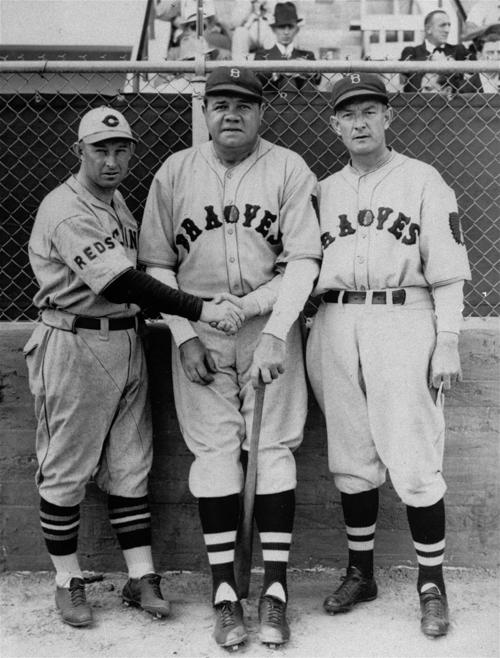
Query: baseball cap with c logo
(104, 123)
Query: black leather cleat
(72, 603)
(229, 630)
(146, 593)
(434, 608)
(355, 588)
(273, 629)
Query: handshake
(226, 313)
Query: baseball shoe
(145, 593)
(355, 588)
(72, 603)
(434, 608)
(273, 629)
(229, 630)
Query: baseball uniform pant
(92, 408)
(216, 419)
(368, 366)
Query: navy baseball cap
(358, 84)
(233, 80)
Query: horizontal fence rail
(457, 131)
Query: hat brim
(358, 93)
(485, 30)
(233, 90)
(107, 134)
(296, 21)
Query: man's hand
(197, 362)
(445, 361)
(223, 314)
(268, 359)
(248, 306)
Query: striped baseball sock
(360, 516)
(219, 521)
(427, 525)
(131, 520)
(60, 531)
(274, 514)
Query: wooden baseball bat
(244, 541)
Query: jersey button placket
(362, 236)
(230, 236)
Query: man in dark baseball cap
(358, 85)
(234, 81)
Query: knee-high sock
(60, 531)
(131, 520)
(360, 516)
(274, 514)
(219, 522)
(427, 525)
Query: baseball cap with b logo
(358, 84)
(233, 80)
(103, 123)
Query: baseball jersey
(394, 227)
(78, 245)
(228, 229)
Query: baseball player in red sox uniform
(385, 339)
(235, 216)
(86, 363)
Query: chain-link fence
(456, 131)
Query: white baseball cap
(103, 123)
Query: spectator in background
(437, 28)
(216, 34)
(488, 50)
(436, 83)
(286, 26)
(252, 30)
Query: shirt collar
(285, 50)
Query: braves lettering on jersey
(78, 245)
(393, 228)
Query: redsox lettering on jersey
(379, 234)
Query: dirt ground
(385, 628)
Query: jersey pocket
(34, 354)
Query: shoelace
(433, 606)
(274, 611)
(77, 594)
(349, 585)
(154, 581)
(227, 614)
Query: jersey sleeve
(91, 252)
(299, 219)
(156, 237)
(442, 246)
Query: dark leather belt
(359, 297)
(115, 324)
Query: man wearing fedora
(286, 26)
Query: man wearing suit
(286, 26)
(488, 50)
(436, 27)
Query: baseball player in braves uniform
(384, 342)
(235, 216)
(86, 363)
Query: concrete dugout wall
(471, 470)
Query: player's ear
(388, 116)
(132, 148)
(262, 110)
(334, 124)
(77, 149)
